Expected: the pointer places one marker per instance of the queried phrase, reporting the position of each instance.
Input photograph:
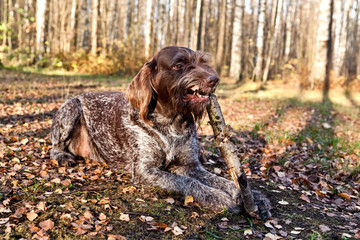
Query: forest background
(290, 89)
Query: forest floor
(302, 153)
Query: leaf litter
(47, 200)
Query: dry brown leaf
(46, 225)
(66, 182)
(188, 199)
(305, 198)
(41, 206)
(102, 216)
(344, 195)
(31, 216)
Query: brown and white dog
(150, 131)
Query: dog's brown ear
(141, 91)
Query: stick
(222, 134)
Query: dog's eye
(177, 66)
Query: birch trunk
(341, 35)
(289, 24)
(259, 41)
(40, 26)
(237, 42)
(148, 28)
(94, 26)
(274, 38)
(5, 13)
(195, 26)
(318, 72)
(71, 27)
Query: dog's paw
(218, 201)
(64, 159)
(263, 204)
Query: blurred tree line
(249, 39)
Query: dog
(150, 130)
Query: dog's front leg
(206, 196)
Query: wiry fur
(149, 131)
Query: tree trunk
(5, 13)
(148, 28)
(221, 35)
(318, 72)
(289, 24)
(274, 38)
(204, 10)
(71, 30)
(94, 26)
(195, 26)
(237, 41)
(40, 26)
(340, 35)
(259, 41)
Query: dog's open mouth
(196, 95)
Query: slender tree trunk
(237, 41)
(289, 24)
(220, 45)
(40, 26)
(318, 72)
(71, 30)
(180, 38)
(204, 11)
(195, 26)
(341, 40)
(11, 21)
(274, 38)
(257, 73)
(94, 26)
(5, 13)
(148, 28)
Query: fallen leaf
(248, 232)
(160, 225)
(102, 216)
(305, 198)
(41, 206)
(282, 202)
(66, 182)
(324, 228)
(268, 225)
(66, 216)
(146, 218)
(46, 225)
(188, 199)
(31, 216)
(170, 200)
(295, 232)
(115, 237)
(272, 236)
(4, 220)
(344, 195)
(177, 231)
(124, 217)
(194, 215)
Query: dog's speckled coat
(150, 130)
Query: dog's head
(176, 81)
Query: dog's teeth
(195, 88)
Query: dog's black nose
(212, 79)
